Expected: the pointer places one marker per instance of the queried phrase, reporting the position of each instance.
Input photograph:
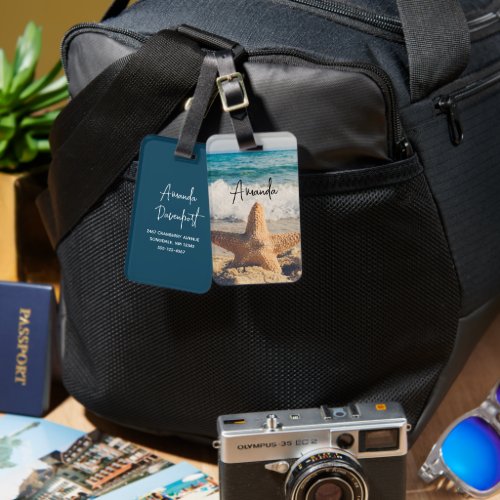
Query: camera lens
(326, 475)
(329, 489)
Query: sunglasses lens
(472, 452)
(498, 393)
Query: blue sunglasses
(468, 453)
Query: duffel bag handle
(437, 41)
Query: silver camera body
(357, 452)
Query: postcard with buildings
(40, 460)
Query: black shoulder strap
(81, 105)
(437, 40)
(93, 144)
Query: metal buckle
(220, 85)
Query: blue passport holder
(28, 317)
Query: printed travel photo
(193, 487)
(254, 210)
(182, 481)
(46, 461)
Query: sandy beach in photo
(290, 261)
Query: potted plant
(28, 108)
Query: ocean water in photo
(255, 170)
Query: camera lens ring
(317, 465)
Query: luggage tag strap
(234, 99)
(198, 106)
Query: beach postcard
(254, 210)
(181, 482)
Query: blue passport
(28, 317)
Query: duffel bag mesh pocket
(373, 317)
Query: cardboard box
(25, 250)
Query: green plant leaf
(25, 148)
(59, 84)
(8, 127)
(45, 120)
(26, 58)
(5, 74)
(28, 48)
(43, 145)
(41, 83)
(42, 101)
(3, 147)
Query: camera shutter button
(272, 422)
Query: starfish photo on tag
(254, 210)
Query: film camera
(349, 453)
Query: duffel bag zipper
(448, 105)
(93, 28)
(382, 22)
(399, 146)
(484, 21)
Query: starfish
(256, 246)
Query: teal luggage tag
(169, 241)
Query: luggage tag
(169, 240)
(254, 209)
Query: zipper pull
(448, 105)
(404, 149)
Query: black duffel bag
(395, 105)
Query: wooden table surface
(470, 389)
